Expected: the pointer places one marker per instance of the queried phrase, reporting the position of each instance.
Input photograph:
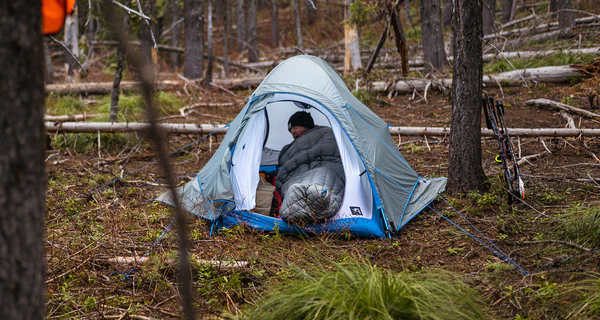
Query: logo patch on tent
(356, 211)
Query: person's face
(297, 131)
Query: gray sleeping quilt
(311, 178)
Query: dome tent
(382, 192)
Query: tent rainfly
(381, 193)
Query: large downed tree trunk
(221, 129)
(560, 74)
(465, 171)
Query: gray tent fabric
(399, 192)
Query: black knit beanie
(301, 118)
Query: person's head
(299, 123)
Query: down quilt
(311, 178)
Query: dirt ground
(93, 233)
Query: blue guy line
(492, 247)
(157, 241)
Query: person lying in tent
(311, 176)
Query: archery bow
(494, 119)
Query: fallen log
(192, 128)
(128, 86)
(540, 27)
(72, 117)
(562, 106)
(558, 74)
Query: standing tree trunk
(252, 35)
(352, 56)
(509, 8)
(447, 12)
(49, 70)
(174, 58)
(399, 37)
(148, 32)
(116, 91)
(432, 35)
(553, 7)
(209, 40)
(274, 24)
(465, 171)
(193, 65)
(566, 19)
(297, 24)
(72, 42)
(489, 16)
(22, 169)
(310, 10)
(240, 23)
(226, 34)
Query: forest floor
(97, 230)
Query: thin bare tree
(253, 53)
(432, 36)
(193, 65)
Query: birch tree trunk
(210, 44)
(489, 16)
(465, 171)
(72, 42)
(274, 24)
(240, 23)
(297, 24)
(22, 168)
(252, 35)
(193, 66)
(432, 37)
(352, 58)
(175, 12)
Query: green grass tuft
(364, 291)
(582, 225)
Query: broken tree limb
(532, 157)
(570, 121)
(192, 128)
(562, 106)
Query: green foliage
(359, 12)
(363, 95)
(132, 107)
(582, 225)
(583, 297)
(556, 59)
(360, 290)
